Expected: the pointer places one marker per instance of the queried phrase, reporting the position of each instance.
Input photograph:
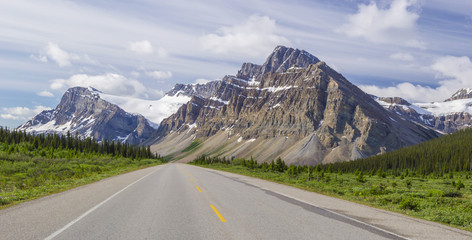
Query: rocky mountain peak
(82, 111)
(283, 58)
(204, 90)
(463, 93)
(249, 70)
(280, 60)
(293, 106)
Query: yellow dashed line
(218, 213)
(191, 179)
(198, 189)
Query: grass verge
(23, 178)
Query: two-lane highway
(178, 201)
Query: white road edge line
(53, 235)
(339, 214)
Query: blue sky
(417, 49)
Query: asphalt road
(178, 201)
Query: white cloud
(255, 37)
(21, 113)
(160, 74)
(455, 72)
(45, 94)
(394, 25)
(202, 81)
(402, 57)
(142, 47)
(110, 83)
(61, 57)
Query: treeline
(449, 153)
(277, 166)
(444, 155)
(274, 166)
(44, 145)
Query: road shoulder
(396, 223)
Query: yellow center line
(198, 189)
(218, 213)
(191, 179)
(188, 175)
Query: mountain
(156, 110)
(449, 153)
(82, 111)
(202, 90)
(453, 114)
(293, 106)
(463, 93)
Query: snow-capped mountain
(449, 116)
(292, 106)
(156, 110)
(463, 93)
(83, 111)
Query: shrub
(452, 194)
(360, 177)
(4, 201)
(409, 203)
(408, 183)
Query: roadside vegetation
(431, 180)
(33, 166)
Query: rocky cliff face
(292, 106)
(202, 90)
(82, 111)
(463, 93)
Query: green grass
(23, 177)
(431, 197)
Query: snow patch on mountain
(153, 110)
(446, 108)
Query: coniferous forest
(32, 166)
(66, 146)
(449, 153)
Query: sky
(420, 50)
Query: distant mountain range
(449, 116)
(293, 106)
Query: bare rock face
(283, 58)
(395, 101)
(82, 111)
(249, 70)
(203, 90)
(463, 93)
(293, 106)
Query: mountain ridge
(311, 112)
(453, 114)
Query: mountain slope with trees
(446, 154)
